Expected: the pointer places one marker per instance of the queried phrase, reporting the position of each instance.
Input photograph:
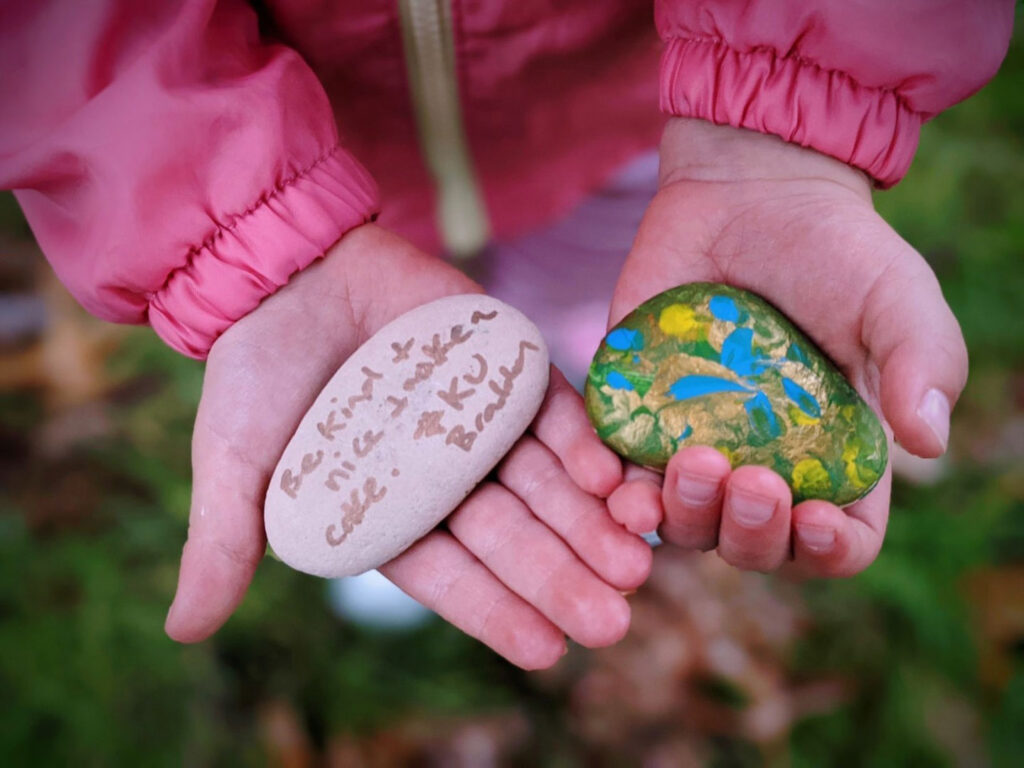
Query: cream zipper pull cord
(430, 60)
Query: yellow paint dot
(859, 477)
(801, 418)
(853, 475)
(811, 479)
(851, 449)
(679, 320)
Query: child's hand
(524, 559)
(799, 229)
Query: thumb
(226, 540)
(225, 544)
(257, 385)
(915, 341)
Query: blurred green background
(918, 661)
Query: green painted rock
(707, 364)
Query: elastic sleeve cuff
(254, 254)
(868, 128)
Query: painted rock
(708, 364)
(402, 433)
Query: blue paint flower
(685, 434)
(623, 339)
(617, 381)
(724, 308)
(804, 400)
(697, 386)
(738, 354)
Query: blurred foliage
(918, 661)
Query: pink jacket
(179, 160)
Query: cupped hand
(799, 229)
(526, 559)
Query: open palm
(529, 557)
(799, 229)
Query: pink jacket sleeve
(854, 80)
(174, 167)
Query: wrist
(366, 274)
(698, 150)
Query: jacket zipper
(430, 60)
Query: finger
(562, 425)
(535, 475)
(915, 340)
(695, 481)
(444, 576)
(636, 504)
(755, 531)
(537, 565)
(833, 542)
(225, 540)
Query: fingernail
(750, 509)
(697, 490)
(934, 411)
(816, 538)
